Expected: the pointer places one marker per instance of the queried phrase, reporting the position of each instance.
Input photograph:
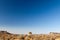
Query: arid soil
(4, 35)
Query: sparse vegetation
(4, 35)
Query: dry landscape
(4, 35)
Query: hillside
(4, 35)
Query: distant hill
(5, 32)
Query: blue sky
(37, 16)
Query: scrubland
(4, 35)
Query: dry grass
(51, 36)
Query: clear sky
(37, 16)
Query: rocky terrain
(4, 35)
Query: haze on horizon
(23, 16)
